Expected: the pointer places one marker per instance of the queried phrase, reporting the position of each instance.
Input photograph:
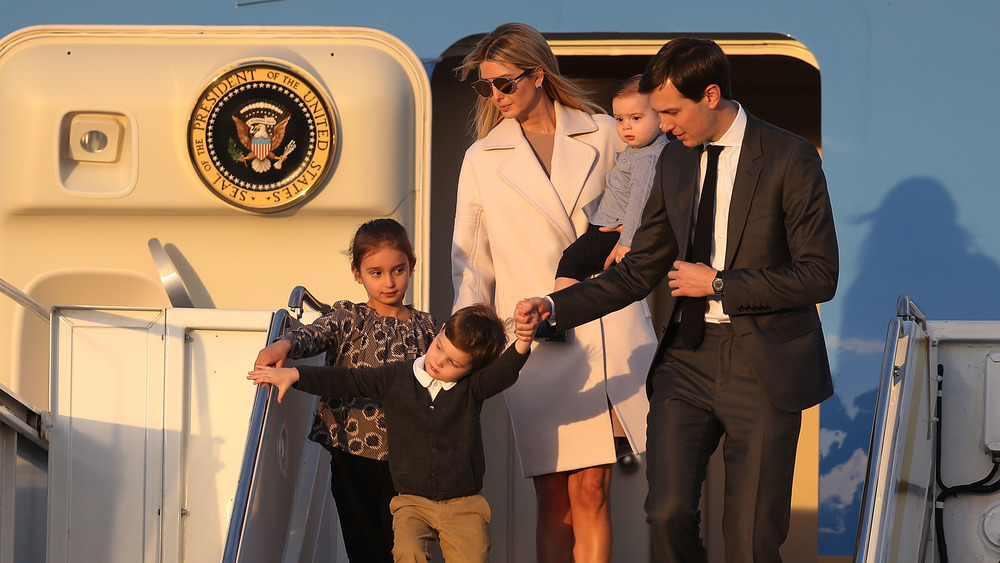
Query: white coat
(512, 223)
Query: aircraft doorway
(777, 79)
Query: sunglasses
(505, 85)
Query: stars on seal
(262, 133)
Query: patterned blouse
(354, 335)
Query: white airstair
(932, 492)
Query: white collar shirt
(432, 385)
(732, 142)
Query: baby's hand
(617, 253)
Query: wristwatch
(717, 285)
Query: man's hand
(691, 280)
(526, 321)
(539, 305)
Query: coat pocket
(790, 325)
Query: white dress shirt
(732, 142)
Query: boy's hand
(539, 304)
(273, 355)
(282, 378)
(526, 319)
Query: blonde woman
(543, 153)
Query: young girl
(381, 331)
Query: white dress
(512, 223)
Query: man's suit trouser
(696, 397)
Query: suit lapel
(744, 185)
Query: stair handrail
(255, 438)
(301, 296)
(907, 310)
(24, 300)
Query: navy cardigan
(435, 447)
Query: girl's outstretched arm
(282, 378)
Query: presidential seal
(262, 137)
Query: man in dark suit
(752, 355)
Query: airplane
(877, 86)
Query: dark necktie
(692, 329)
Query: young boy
(432, 407)
(619, 207)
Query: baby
(619, 208)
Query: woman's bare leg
(590, 508)
(554, 530)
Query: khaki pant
(461, 524)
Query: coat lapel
(572, 160)
(744, 184)
(556, 198)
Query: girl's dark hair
(377, 234)
(477, 331)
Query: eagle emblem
(262, 137)
(261, 134)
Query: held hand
(691, 280)
(526, 320)
(273, 355)
(539, 304)
(617, 253)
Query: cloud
(856, 345)
(838, 488)
(840, 528)
(827, 438)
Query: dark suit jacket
(781, 259)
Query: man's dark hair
(691, 65)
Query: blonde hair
(521, 46)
